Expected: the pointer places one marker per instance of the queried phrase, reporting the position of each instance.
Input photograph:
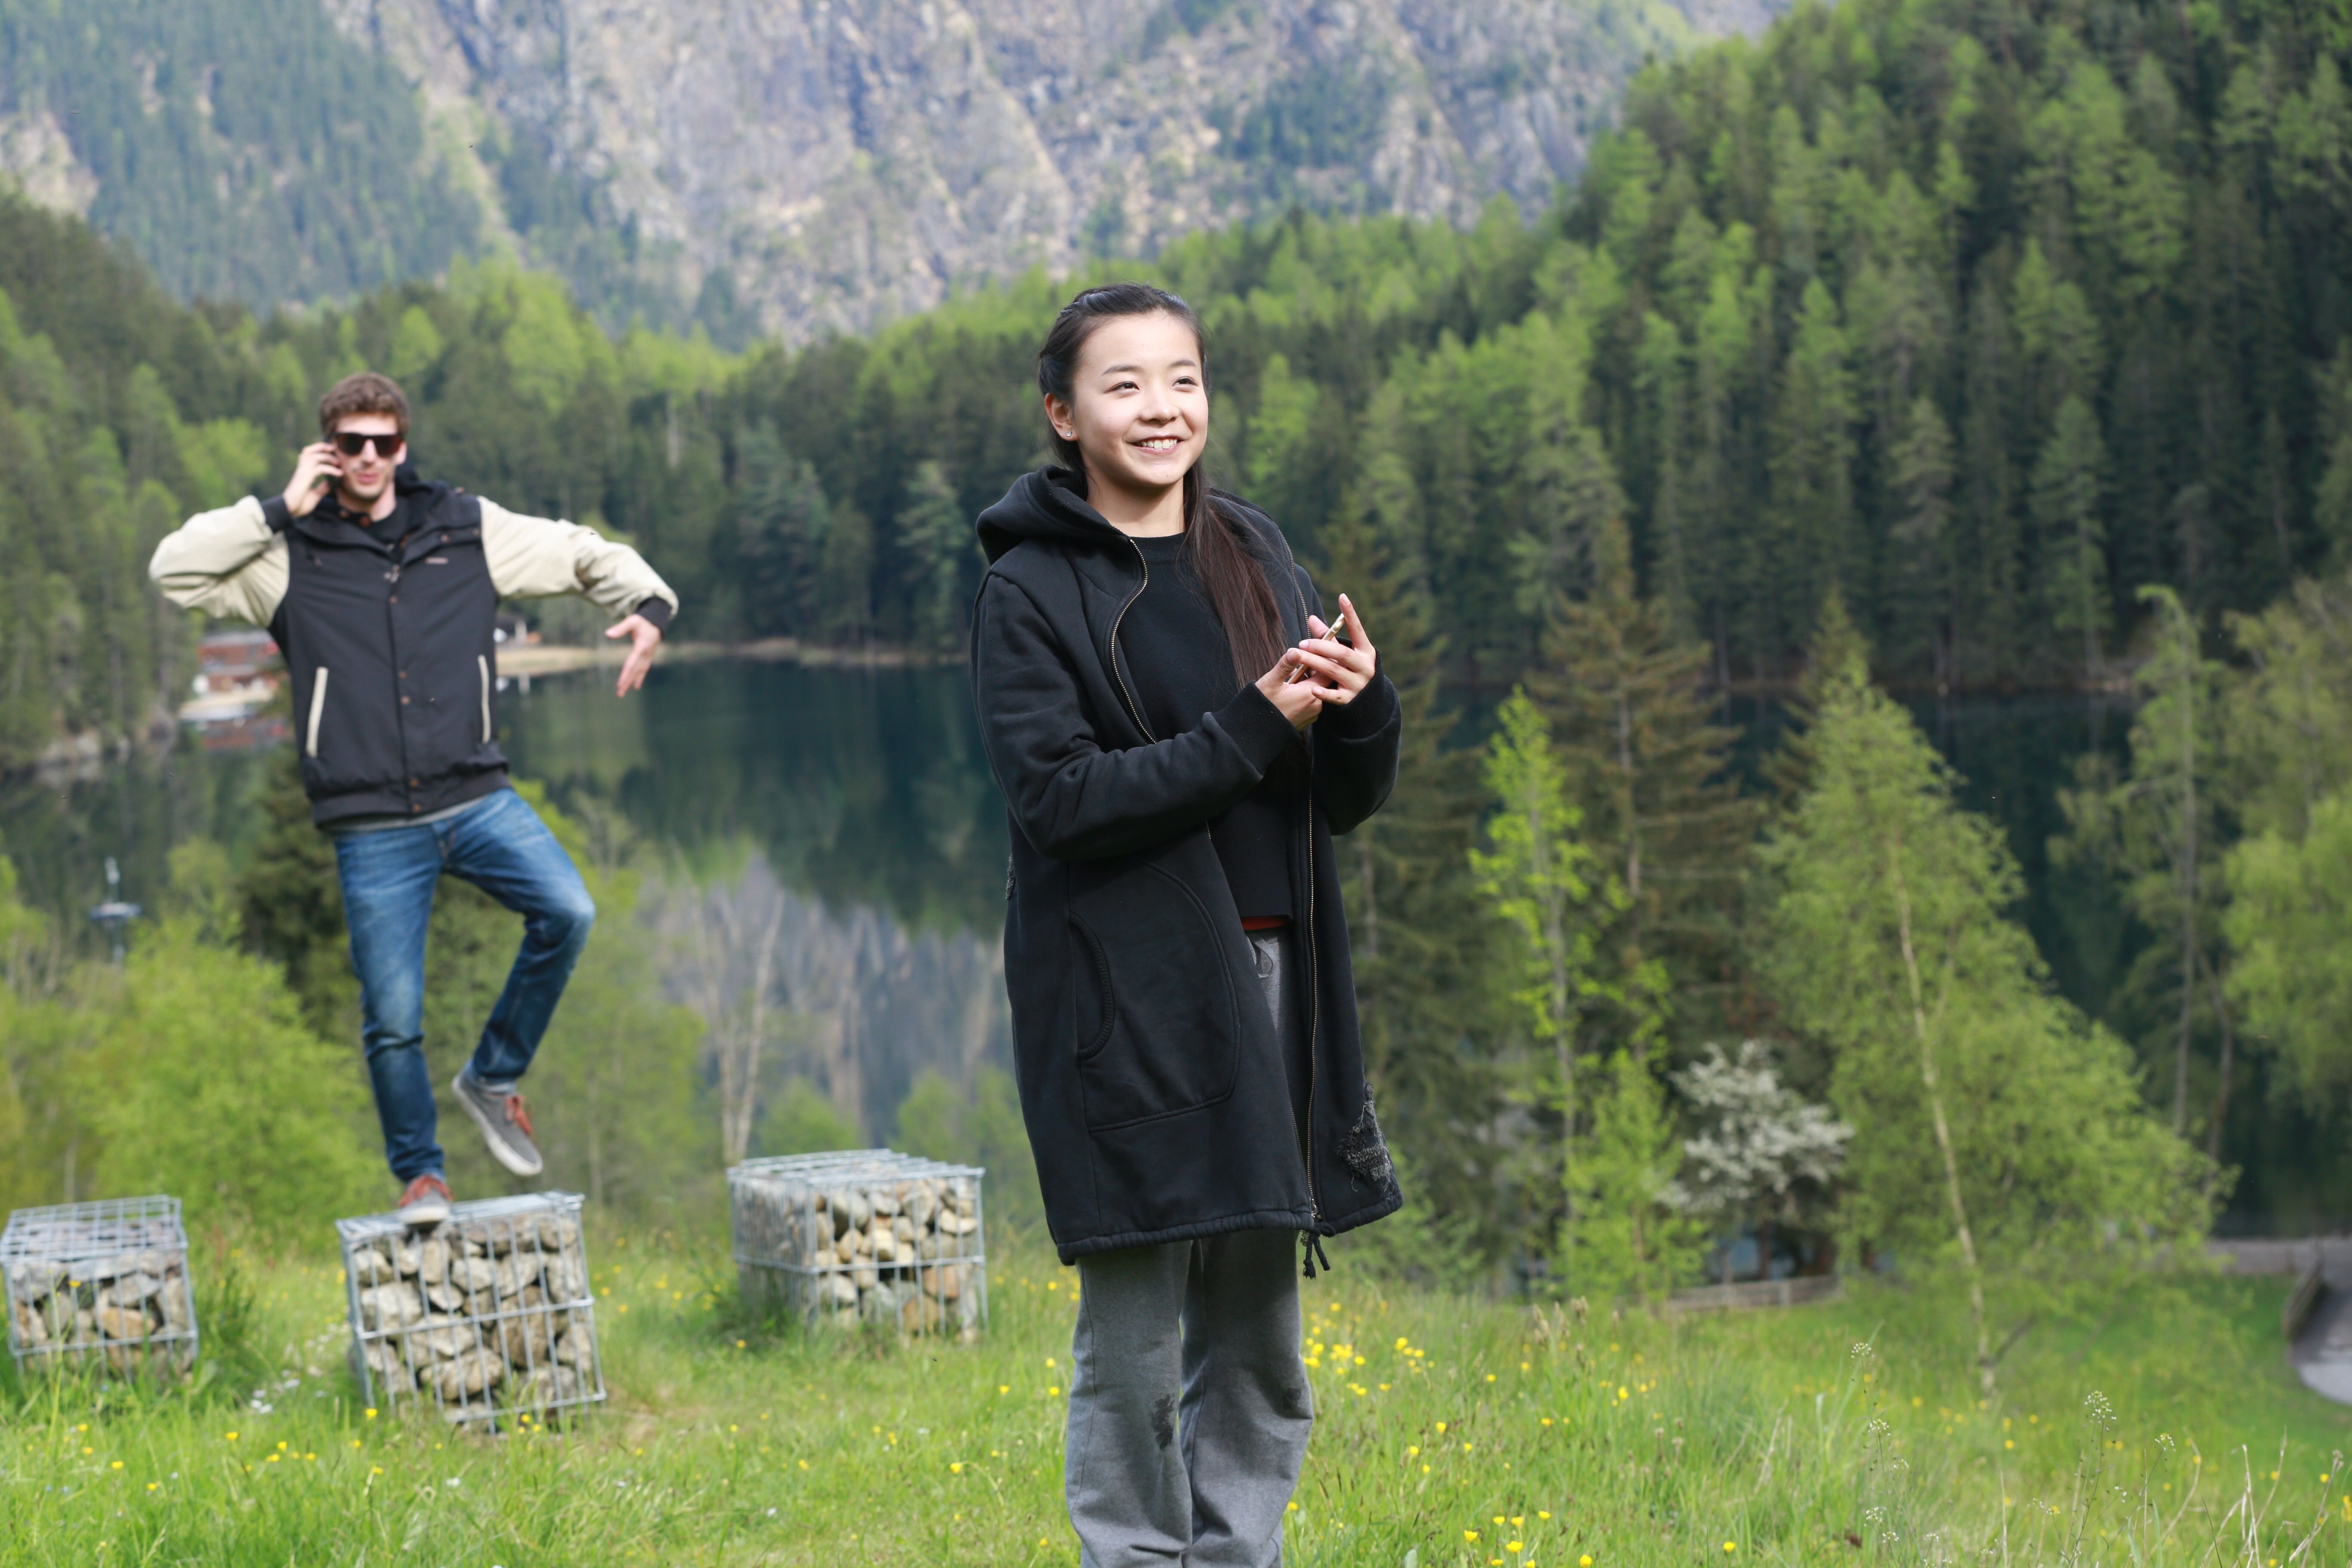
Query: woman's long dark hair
(1215, 546)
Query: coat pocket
(1157, 1028)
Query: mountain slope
(839, 162)
(795, 168)
(243, 148)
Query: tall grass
(1449, 1432)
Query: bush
(978, 1126)
(205, 1083)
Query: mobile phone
(1338, 630)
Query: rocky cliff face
(807, 166)
(785, 166)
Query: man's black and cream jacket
(391, 648)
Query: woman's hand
(1335, 671)
(1300, 702)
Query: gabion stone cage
(862, 1235)
(487, 1313)
(104, 1282)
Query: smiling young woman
(1178, 734)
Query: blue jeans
(502, 847)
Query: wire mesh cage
(100, 1282)
(862, 1235)
(488, 1314)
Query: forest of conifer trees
(1957, 343)
(1985, 315)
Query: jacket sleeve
(1355, 746)
(533, 558)
(1072, 799)
(229, 562)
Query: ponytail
(1217, 543)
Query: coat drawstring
(1314, 1251)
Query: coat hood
(1050, 505)
(1047, 504)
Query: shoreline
(561, 658)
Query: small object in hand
(1338, 630)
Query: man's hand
(317, 469)
(643, 638)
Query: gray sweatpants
(1189, 1406)
(1184, 1446)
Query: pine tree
(2156, 828)
(1837, 643)
(1552, 896)
(2057, 333)
(1664, 382)
(1921, 579)
(1624, 1233)
(941, 558)
(2066, 486)
(2332, 503)
(1812, 467)
(1725, 353)
(1993, 611)
(1648, 770)
(1568, 489)
(1415, 916)
(1387, 501)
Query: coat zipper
(391, 640)
(1134, 708)
(1314, 1006)
(1314, 976)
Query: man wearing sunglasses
(382, 591)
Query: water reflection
(851, 998)
(862, 787)
(59, 828)
(833, 832)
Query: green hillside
(1984, 318)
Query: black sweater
(1177, 649)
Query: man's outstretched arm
(229, 562)
(532, 557)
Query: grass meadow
(1449, 1432)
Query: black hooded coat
(1151, 1078)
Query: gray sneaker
(425, 1204)
(505, 1124)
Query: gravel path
(2321, 1352)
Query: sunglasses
(351, 443)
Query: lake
(853, 806)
